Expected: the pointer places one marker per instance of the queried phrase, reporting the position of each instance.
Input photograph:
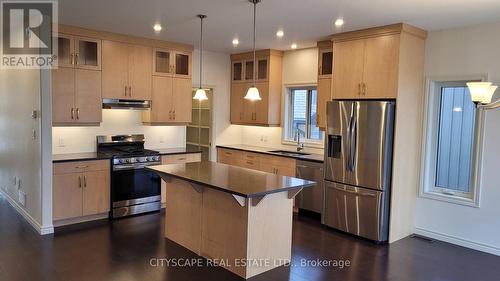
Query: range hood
(126, 104)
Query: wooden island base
(248, 236)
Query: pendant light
(200, 92)
(482, 94)
(253, 92)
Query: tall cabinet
(325, 70)
(268, 70)
(76, 83)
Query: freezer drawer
(310, 199)
(360, 211)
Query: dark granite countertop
(266, 150)
(231, 179)
(88, 156)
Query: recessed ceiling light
(294, 46)
(280, 33)
(236, 42)
(157, 27)
(339, 22)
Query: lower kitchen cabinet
(176, 159)
(283, 166)
(80, 189)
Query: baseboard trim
(42, 230)
(458, 241)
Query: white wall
(20, 154)
(463, 52)
(300, 67)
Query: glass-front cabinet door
(65, 50)
(87, 53)
(249, 70)
(237, 71)
(162, 62)
(325, 63)
(182, 64)
(262, 69)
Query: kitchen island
(238, 217)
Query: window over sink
(300, 116)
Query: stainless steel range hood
(126, 104)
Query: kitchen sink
(289, 153)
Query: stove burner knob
(157, 158)
(127, 160)
(121, 161)
(149, 159)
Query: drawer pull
(250, 162)
(181, 159)
(82, 167)
(79, 181)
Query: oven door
(130, 186)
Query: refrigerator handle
(349, 145)
(354, 141)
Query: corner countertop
(266, 150)
(231, 179)
(88, 156)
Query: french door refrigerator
(358, 166)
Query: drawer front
(182, 158)
(251, 164)
(81, 166)
(230, 157)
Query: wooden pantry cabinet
(265, 112)
(126, 71)
(80, 188)
(367, 63)
(325, 70)
(76, 83)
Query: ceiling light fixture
(253, 92)
(294, 46)
(157, 27)
(481, 94)
(200, 93)
(280, 33)
(339, 22)
(236, 42)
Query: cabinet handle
(79, 182)
(72, 113)
(364, 89)
(359, 89)
(319, 70)
(72, 60)
(182, 159)
(76, 59)
(78, 113)
(130, 91)
(250, 162)
(84, 181)
(125, 90)
(174, 114)
(82, 167)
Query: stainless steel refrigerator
(358, 167)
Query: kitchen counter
(231, 179)
(266, 150)
(231, 214)
(88, 156)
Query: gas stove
(134, 190)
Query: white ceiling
(304, 22)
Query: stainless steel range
(134, 190)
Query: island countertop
(231, 179)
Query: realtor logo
(29, 30)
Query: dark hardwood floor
(122, 250)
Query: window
(300, 116)
(451, 145)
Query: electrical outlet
(61, 142)
(22, 198)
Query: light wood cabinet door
(67, 196)
(325, 63)
(380, 75)
(140, 72)
(115, 64)
(65, 50)
(88, 101)
(87, 53)
(262, 69)
(348, 69)
(237, 94)
(237, 71)
(63, 95)
(162, 105)
(162, 62)
(324, 95)
(182, 66)
(261, 115)
(182, 100)
(96, 197)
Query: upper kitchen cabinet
(368, 63)
(171, 63)
(265, 112)
(325, 70)
(76, 83)
(126, 71)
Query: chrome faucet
(300, 145)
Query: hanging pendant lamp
(200, 92)
(253, 92)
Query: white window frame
(286, 118)
(428, 188)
